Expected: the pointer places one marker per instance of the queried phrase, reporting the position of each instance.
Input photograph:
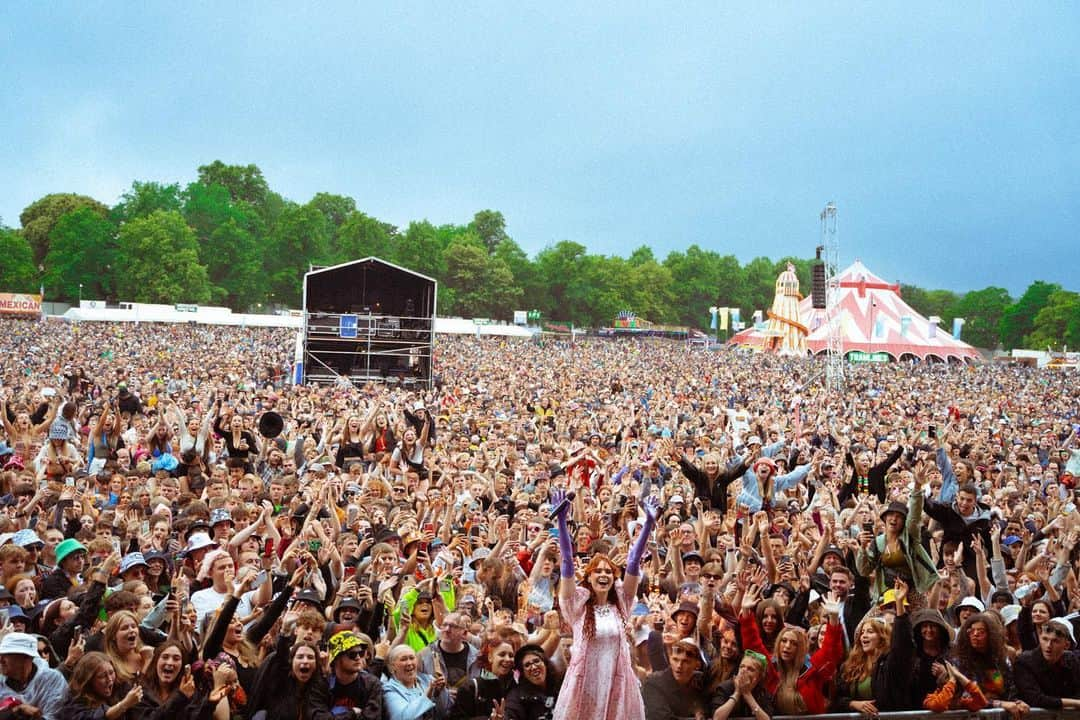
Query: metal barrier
(988, 714)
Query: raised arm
(651, 507)
(566, 549)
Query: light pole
(80, 294)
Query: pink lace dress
(600, 683)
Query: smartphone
(314, 545)
(144, 527)
(868, 527)
(429, 528)
(932, 431)
(259, 580)
(785, 559)
(350, 571)
(268, 548)
(69, 482)
(1030, 525)
(553, 532)
(115, 545)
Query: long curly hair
(589, 626)
(974, 663)
(860, 664)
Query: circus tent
(873, 319)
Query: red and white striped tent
(873, 319)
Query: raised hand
(557, 497)
(651, 506)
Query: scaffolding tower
(834, 358)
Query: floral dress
(600, 682)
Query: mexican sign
(19, 304)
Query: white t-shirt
(208, 600)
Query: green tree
(245, 183)
(482, 286)
(560, 271)
(144, 198)
(300, 238)
(982, 310)
(336, 209)
(362, 236)
(17, 272)
(40, 216)
(418, 249)
(931, 302)
(1018, 320)
(160, 257)
(760, 283)
(490, 227)
(236, 271)
(81, 248)
(1057, 324)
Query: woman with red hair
(598, 609)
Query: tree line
(228, 239)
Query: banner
(18, 304)
(905, 323)
(735, 317)
(723, 313)
(879, 328)
(957, 325)
(931, 330)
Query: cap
(1009, 614)
(18, 643)
(58, 430)
(889, 598)
(676, 499)
(26, 537)
(342, 642)
(690, 643)
(834, 550)
(418, 405)
(311, 597)
(693, 555)
(689, 607)
(345, 604)
(1012, 539)
(67, 547)
(972, 602)
(894, 507)
(132, 560)
(1058, 623)
(198, 541)
(753, 440)
(218, 515)
(526, 650)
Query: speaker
(817, 290)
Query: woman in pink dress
(600, 683)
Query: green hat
(65, 548)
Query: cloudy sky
(948, 134)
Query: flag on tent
(723, 313)
(957, 325)
(879, 328)
(905, 323)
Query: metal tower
(834, 362)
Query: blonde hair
(788, 699)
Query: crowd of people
(605, 529)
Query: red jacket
(814, 679)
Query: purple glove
(651, 506)
(566, 546)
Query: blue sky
(948, 134)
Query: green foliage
(1018, 320)
(160, 260)
(490, 227)
(144, 198)
(982, 310)
(245, 183)
(932, 302)
(81, 246)
(17, 272)
(40, 216)
(1057, 324)
(228, 238)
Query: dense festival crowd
(607, 529)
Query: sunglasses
(353, 654)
